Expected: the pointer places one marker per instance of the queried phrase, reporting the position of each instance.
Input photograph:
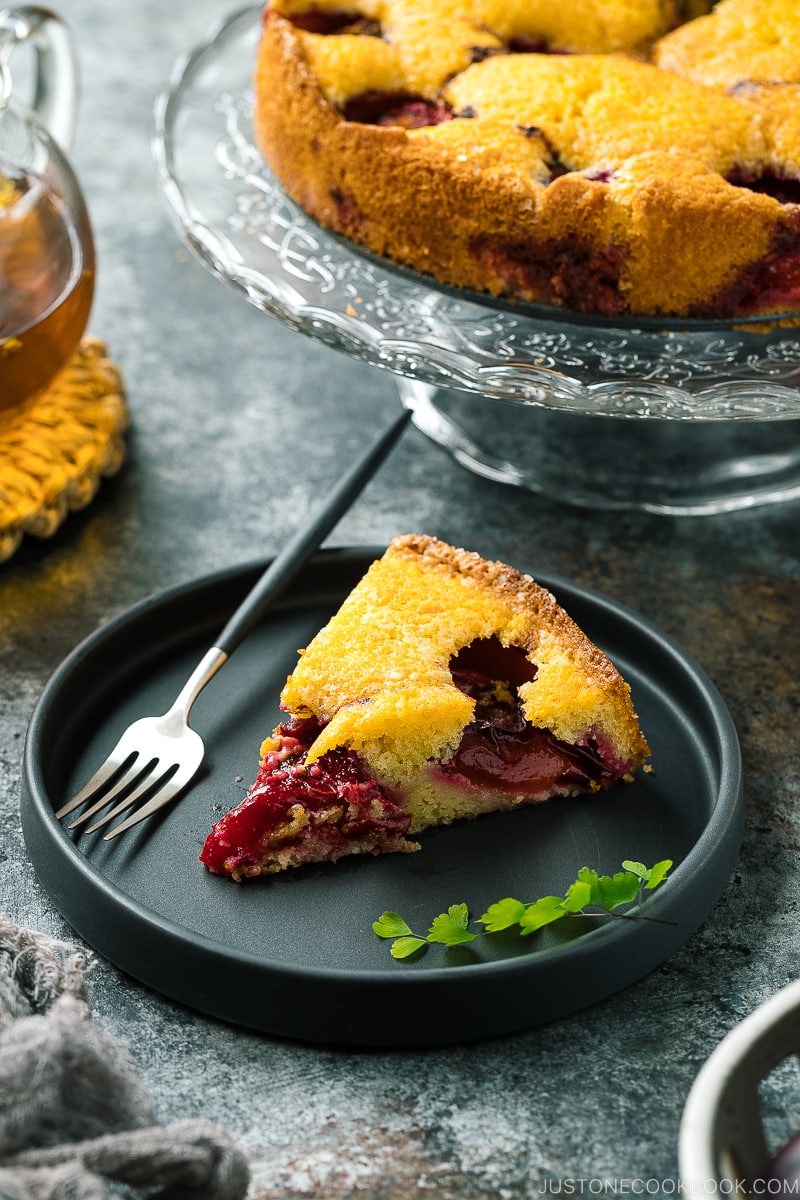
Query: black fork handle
(285, 566)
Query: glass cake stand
(676, 417)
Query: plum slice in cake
(445, 687)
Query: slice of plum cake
(446, 686)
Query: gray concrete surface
(237, 425)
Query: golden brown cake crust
(740, 40)
(591, 179)
(378, 675)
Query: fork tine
(170, 789)
(146, 784)
(134, 775)
(101, 776)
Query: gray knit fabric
(75, 1121)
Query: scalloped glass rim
(236, 218)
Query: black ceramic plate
(295, 954)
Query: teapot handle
(55, 80)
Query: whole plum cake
(446, 686)
(612, 157)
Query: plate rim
(723, 826)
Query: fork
(162, 754)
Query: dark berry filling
(499, 750)
(557, 169)
(318, 20)
(599, 174)
(782, 188)
(555, 166)
(772, 285)
(336, 799)
(578, 277)
(481, 53)
(524, 43)
(530, 762)
(396, 108)
(348, 215)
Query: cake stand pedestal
(613, 462)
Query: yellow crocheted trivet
(54, 453)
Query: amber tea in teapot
(46, 249)
(46, 285)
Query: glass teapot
(46, 247)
